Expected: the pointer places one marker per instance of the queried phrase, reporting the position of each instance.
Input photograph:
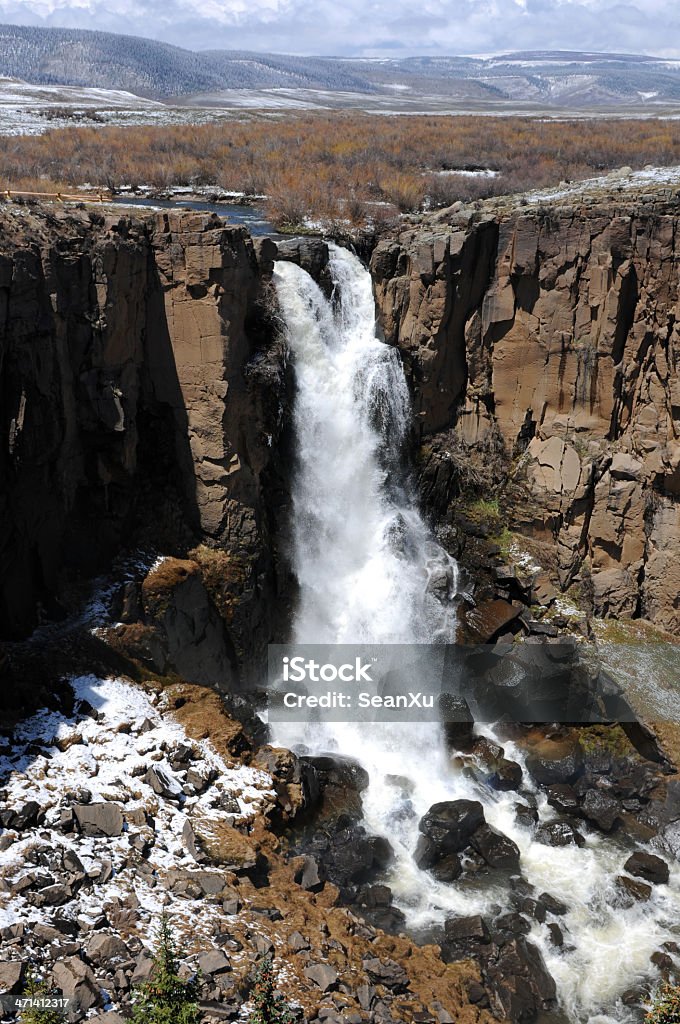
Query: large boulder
(553, 762)
(446, 828)
(518, 979)
(99, 820)
(498, 850)
(339, 781)
(601, 809)
(558, 833)
(77, 983)
(646, 865)
(463, 937)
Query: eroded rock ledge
(543, 351)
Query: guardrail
(103, 196)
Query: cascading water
(366, 564)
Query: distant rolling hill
(52, 56)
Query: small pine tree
(666, 1008)
(37, 988)
(166, 998)
(269, 1005)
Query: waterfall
(369, 571)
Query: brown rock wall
(140, 397)
(550, 334)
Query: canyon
(144, 382)
(175, 400)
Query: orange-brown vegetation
(340, 165)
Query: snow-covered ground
(104, 757)
(619, 180)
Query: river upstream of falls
(363, 557)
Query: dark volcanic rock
(519, 980)
(446, 828)
(486, 620)
(601, 809)
(464, 936)
(340, 781)
(558, 833)
(646, 865)
(560, 766)
(497, 850)
(632, 890)
(563, 798)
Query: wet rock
(448, 869)
(556, 935)
(386, 972)
(446, 828)
(518, 980)
(97, 820)
(508, 776)
(601, 809)
(558, 833)
(526, 815)
(634, 996)
(323, 976)
(512, 924)
(312, 255)
(557, 763)
(457, 721)
(533, 908)
(552, 904)
(646, 865)
(463, 937)
(663, 961)
(632, 891)
(486, 620)
(497, 849)
(563, 798)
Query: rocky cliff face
(543, 342)
(141, 402)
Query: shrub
(36, 988)
(324, 165)
(666, 1008)
(166, 998)
(269, 1006)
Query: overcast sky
(374, 27)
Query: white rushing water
(365, 561)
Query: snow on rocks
(97, 810)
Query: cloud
(375, 27)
